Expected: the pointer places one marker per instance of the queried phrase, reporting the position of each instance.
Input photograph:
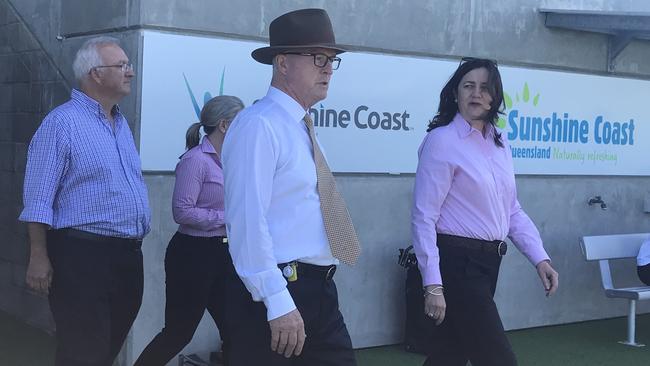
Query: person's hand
(288, 334)
(39, 273)
(435, 305)
(548, 276)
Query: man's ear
(280, 62)
(95, 75)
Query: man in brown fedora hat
(288, 225)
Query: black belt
(112, 240)
(308, 270)
(498, 247)
(218, 239)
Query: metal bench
(605, 247)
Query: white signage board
(379, 106)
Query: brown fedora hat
(305, 28)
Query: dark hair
(222, 107)
(448, 107)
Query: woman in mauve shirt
(197, 259)
(465, 205)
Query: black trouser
(95, 295)
(196, 269)
(644, 273)
(327, 343)
(472, 329)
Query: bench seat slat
(634, 293)
(612, 246)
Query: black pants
(644, 273)
(327, 344)
(196, 269)
(95, 296)
(472, 329)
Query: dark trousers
(196, 269)
(95, 296)
(644, 273)
(327, 344)
(472, 329)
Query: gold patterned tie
(338, 225)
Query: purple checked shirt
(81, 174)
(465, 186)
(197, 202)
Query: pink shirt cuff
(431, 276)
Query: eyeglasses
(125, 67)
(320, 59)
(476, 59)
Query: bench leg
(631, 326)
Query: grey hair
(88, 55)
(222, 107)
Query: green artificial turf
(592, 343)
(23, 345)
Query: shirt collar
(287, 103)
(206, 146)
(464, 129)
(91, 103)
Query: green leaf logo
(507, 100)
(526, 93)
(525, 97)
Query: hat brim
(265, 55)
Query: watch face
(287, 271)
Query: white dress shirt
(272, 205)
(643, 259)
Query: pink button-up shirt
(465, 186)
(198, 200)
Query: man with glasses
(288, 226)
(87, 210)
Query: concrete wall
(371, 293)
(30, 85)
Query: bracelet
(436, 291)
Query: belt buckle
(330, 273)
(502, 244)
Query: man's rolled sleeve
(47, 157)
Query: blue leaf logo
(206, 96)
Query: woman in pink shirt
(465, 204)
(197, 259)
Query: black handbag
(416, 330)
